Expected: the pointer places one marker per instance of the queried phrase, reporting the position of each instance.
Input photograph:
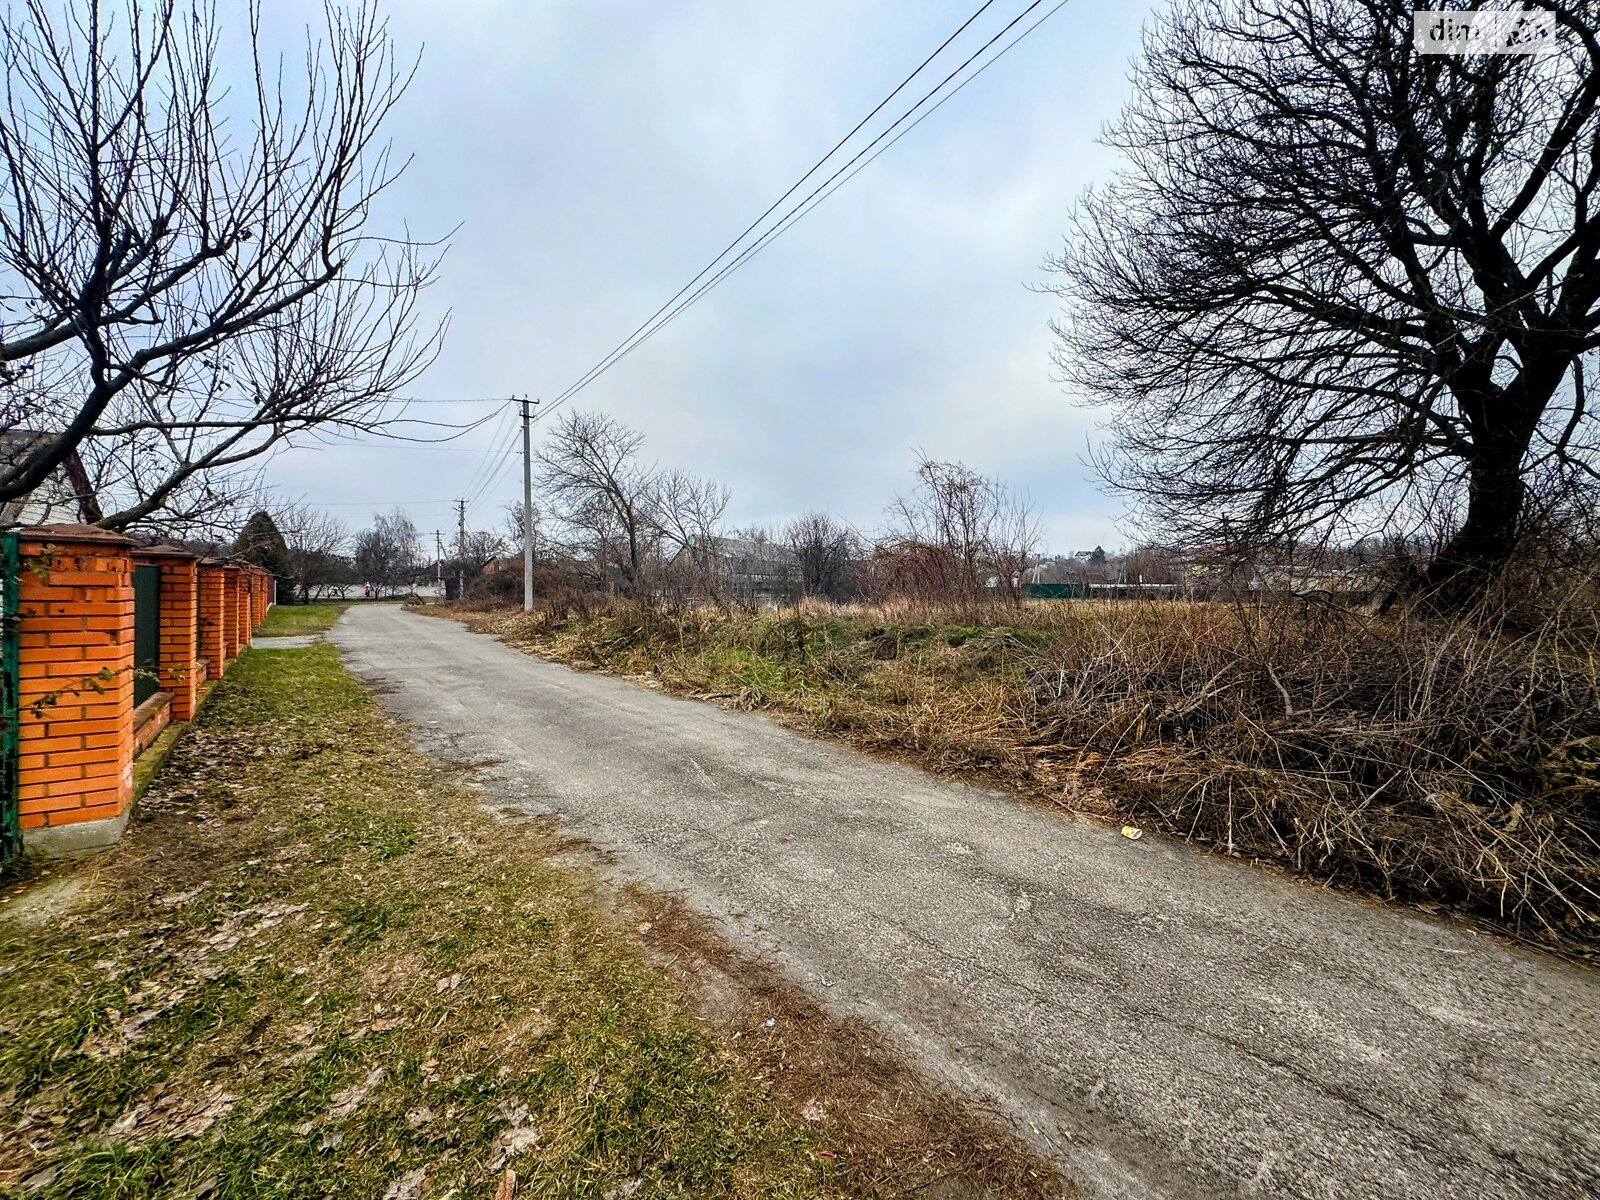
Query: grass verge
(1438, 763)
(294, 620)
(317, 967)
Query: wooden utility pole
(461, 549)
(527, 503)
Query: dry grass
(1441, 763)
(317, 967)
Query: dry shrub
(1424, 759)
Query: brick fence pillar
(180, 619)
(258, 597)
(75, 642)
(242, 632)
(230, 611)
(213, 617)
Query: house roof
(15, 444)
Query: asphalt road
(1166, 1022)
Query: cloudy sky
(592, 156)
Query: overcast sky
(596, 155)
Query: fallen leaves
(407, 1186)
(345, 1101)
(519, 1135)
(171, 1115)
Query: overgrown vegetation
(1445, 763)
(316, 967)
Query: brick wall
(232, 579)
(242, 613)
(180, 600)
(78, 728)
(213, 617)
(75, 763)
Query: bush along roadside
(1442, 763)
(316, 967)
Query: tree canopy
(188, 276)
(1339, 285)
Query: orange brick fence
(77, 661)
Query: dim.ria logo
(1495, 31)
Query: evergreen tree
(261, 542)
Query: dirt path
(1165, 1022)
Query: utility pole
(527, 503)
(438, 563)
(461, 549)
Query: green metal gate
(146, 632)
(10, 709)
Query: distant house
(753, 568)
(65, 496)
(1324, 580)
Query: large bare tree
(687, 512)
(388, 555)
(318, 543)
(188, 276)
(601, 492)
(1339, 282)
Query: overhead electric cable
(795, 215)
(794, 187)
(815, 197)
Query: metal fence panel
(146, 632)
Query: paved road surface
(1168, 1023)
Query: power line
(453, 400)
(389, 400)
(416, 448)
(497, 469)
(794, 187)
(798, 213)
(815, 197)
(623, 348)
(372, 503)
(500, 444)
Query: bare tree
(512, 530)
(187, 272)
(959, 536)
(1338, 280)
(590, 468)
(823, 550)
(687, 512)
(480, 548)
(389, 555)
(317, 543)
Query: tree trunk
(1474, 557)
(1502, 424)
